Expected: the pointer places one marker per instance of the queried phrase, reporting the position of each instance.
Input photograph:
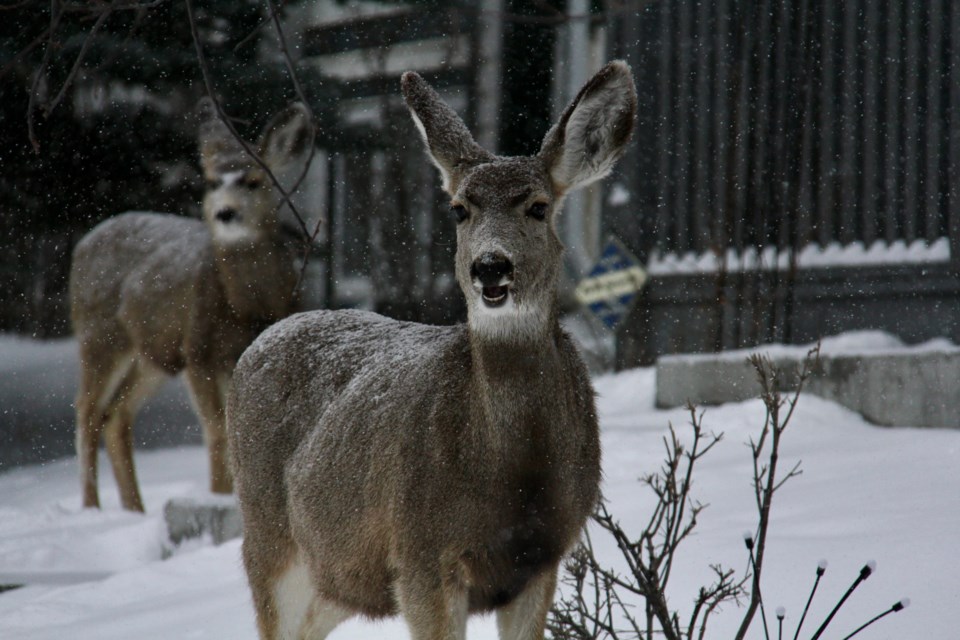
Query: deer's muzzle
(492, 275)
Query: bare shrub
(603, 602)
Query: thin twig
(309, 238)
(55, 15)
(766, 483)
(221, 114)
(15, 5)
(52, 104)
(228, 123)
(23, 52)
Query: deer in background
(153, 294)
(388, 467)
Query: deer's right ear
(449, 143)
(212, 135)
(287, 138)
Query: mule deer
(155, 294)
(389, 467)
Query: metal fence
(784, 122)
(768, 126)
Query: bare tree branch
(285, 195)
(55, 15)
(24, 52)
(765, 478)
(52, 104)
(309, 237)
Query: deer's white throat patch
(507, 322)
(233, 232)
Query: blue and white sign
(613, 284)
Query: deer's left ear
(593, 131)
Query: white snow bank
(865, 493)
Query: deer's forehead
(505, 183)
(229, 164)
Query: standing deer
(155, 294)
(389, 467)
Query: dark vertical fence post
(703, 119)
(870, 120)
(827, 158)
(667, 110)
(684, 109)
(954, 135)
(722, 144)
(933, 140)
(892, 148)
(850, 100)
(911, 157)
(735, 194)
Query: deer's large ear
(213, 137)
(449, 143)
(286, 140)
(593, 131)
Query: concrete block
(196, 516)
(920, 389)
(909, 386)
(706, 380)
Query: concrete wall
(910, 387)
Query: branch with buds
(602, 602)
(865, 572)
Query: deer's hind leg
(433, 608)
(102, 372)
(288, 606)
(139, 384)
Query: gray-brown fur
(386, 467)
(155, 294)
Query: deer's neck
(258, 278)
(513, 376)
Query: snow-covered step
(870, 372)
(202, 515)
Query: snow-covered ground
(886, 494)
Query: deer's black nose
(491, 268)
(226, 215)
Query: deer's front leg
(432, 608)
(526, 616)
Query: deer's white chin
(504, 319)
(494, 304)
(232, 233)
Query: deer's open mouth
(495, 296)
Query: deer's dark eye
(459, 212)
(251, 183)
(213, 183)
(537, 211)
